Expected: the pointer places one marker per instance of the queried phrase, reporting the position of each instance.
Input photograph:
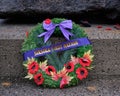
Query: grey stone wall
(36, 8)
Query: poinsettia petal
(43, 65)
(88, 55)
(65, 80)
(62, 72)
(29, 76)
(54, 76)
(74, 60)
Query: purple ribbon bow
(64, 25)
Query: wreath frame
(38, 70)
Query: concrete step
(90, 87)
(106, 45)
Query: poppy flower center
(68, 67)
(33, 67)
(49, 69)
(84, 60)
(82, 72)
(39, 78)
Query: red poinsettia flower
(85, 62)
(65, 80)
(50, 69)
(81, 73)
(69, 66)
(63, 83)
(62, 72)
(38, 78)
(74, 60)
(47, 21)
(54, 76)
(33, 67)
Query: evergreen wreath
(57, 69)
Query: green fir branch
(53, 60)
(66, 56)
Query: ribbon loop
(64, 25)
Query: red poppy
(117, 26)
(108, 28)
(27, 33)
(33, 67)
(69, 66)
(47, 21)
(50, 69)
(81, 73)
(99, 26)
(38, 78)
(85, 62)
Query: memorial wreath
(60, 64)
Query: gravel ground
(91, 87)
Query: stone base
(106, 45)
(106, 59)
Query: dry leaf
(6, 84)
(91, 88)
